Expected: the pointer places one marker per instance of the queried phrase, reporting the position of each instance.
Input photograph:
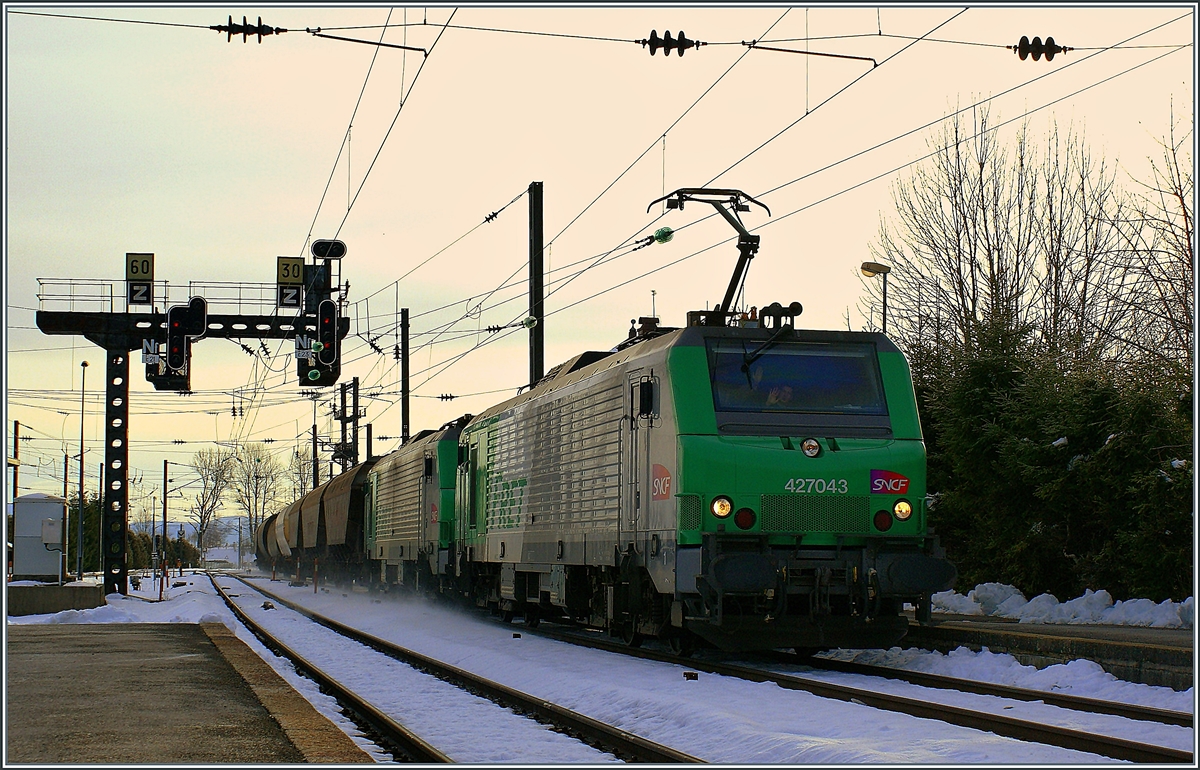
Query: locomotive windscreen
(790, 377)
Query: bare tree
(143, 507)
(1017, 245)
(1080, 298)
(257, 482)
(1161, 258)
(215, 474)
(299, 475)
(216, 534)
(962, 249)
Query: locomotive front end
(801, 496)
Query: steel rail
(1073, 702)
(1116, 748)
(411, 743)
(625, 744)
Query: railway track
(1116, 748)
(623, 744)
(388, 731)
(1073, 702)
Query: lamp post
(83, 365)
(239, 543)
(872, 269)
(166, 494)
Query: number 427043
(819, 486)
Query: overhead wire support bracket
(318, 33)
(747, 243)
(754, 44)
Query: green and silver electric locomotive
(741, 481)
(756, 486)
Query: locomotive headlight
(902, 510)
(810, 447)
(722, 506)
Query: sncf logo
(661, 484)
(888, 483)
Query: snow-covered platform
(30, 598)
(1154, 656)
(157, 694)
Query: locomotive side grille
(689, 511)
(816, 513)
(557, 462)
(398, 500)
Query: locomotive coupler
(818, 598)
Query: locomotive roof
(591, 362)
(581, 366)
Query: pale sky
(214, 155)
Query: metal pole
(16, 456)
(536, 313)
(64, 563)
(342, 460)
(79, 545)
(100, 527)
(162, 586)
(404, 419)
(885, 303)
(315, 460)
(64, 566)
(354, 433)
(368, 442)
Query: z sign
(289, 296)
(888, 483)
(139, 294)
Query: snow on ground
(1094, 607)
(717, 718)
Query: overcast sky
(220, 156)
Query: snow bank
(1094, 607)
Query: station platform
(1155, 656)
(156, 694)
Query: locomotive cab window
(792, 384)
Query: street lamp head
(872, 269)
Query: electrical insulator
(246, 29)
(1037, 48)
(668, 44)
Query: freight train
(737, 482)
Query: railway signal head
(184, 323)
(323, 366)
(326, 346)
(327, 249)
